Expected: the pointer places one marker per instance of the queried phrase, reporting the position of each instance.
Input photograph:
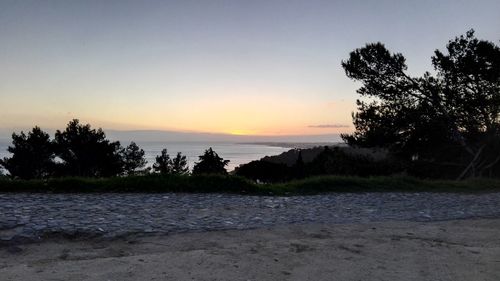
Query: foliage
(81, 151)
(32, 155)
(337, 162)
(449, 121)
(210, 163)
(163, 164)
(167, 166)
(86, 152)
(334, 161)
(133, 160)
(238, 185)
(180, 165)
(264, 171)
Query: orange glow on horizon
(223, 111)
(242, 132)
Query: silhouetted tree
(179, 165)
(86, 152)
(32, 155)
(133, 160)
(449, 121)
(210, 163)
(163, 163)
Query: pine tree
(163, 163)
(210, 163)
(32, 155)
(179, 165)
(133, 159)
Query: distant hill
(179, 136)
(308, 154)
(298, 145)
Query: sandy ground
(451, 250)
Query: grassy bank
(238, 185)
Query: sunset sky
(241, 67)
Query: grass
(238, 185)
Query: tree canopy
(134, 161)
(179, 165)
(449, 119)
(82, 151)
(210, 163)
(165, 165)
(32, 155)
(86, 152)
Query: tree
(133, 159)
(179, 165)
(450, 120)
(163, 164)
(175, 166)
(210, 163)
(32, 155)
(86, 152)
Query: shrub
(265, 171)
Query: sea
(236, 153)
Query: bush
(239, 185)
(264, 171)
(328, 162)
(338, 162)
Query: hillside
(308, 154)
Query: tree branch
(471, 164)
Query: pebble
(29, 216)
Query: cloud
(323, 126)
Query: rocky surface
(34, 216)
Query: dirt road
(449, 250)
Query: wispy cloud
(323, 126)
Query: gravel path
(31, 216)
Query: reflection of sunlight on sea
(237, 153)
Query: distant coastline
(297, 145)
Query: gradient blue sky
(243, 67)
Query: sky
(255, 67)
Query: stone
(25, 215)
